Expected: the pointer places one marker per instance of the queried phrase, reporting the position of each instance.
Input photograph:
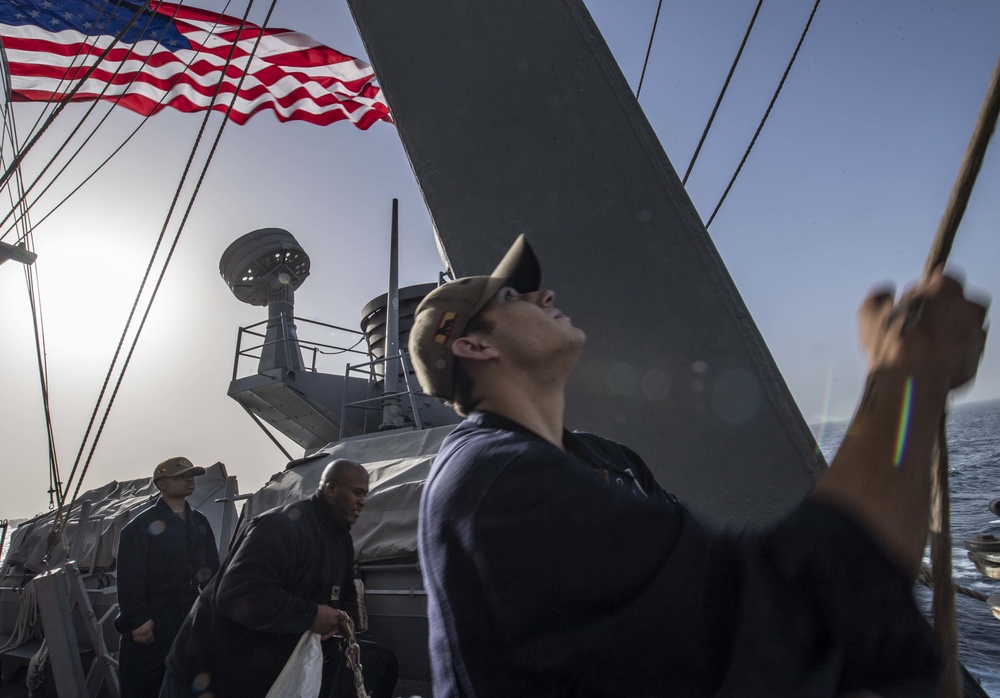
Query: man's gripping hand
(934, 332)
(330, 621)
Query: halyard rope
(26, 627)
(355, 663)
(36, 668)
(943, 602)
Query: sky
(844, 189)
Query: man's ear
(474, 348)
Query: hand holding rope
(943, 602)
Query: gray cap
(178, 465)
(443, 315)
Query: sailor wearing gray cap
(554, 564)
(166, 554)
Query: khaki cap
(178, 465)
(444, 313)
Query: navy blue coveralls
(163, 562)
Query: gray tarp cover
(398, 463)
(112, 507)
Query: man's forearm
(919, 349)
(881, 472)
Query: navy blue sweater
(546, 578)
(163, 561)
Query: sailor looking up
(555, 565)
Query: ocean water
(974, 478)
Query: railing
(317, 351)
(320, 357)
(378, 402)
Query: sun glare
(88, 281)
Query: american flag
(174, 56)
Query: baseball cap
(176, 466)
(444, 313)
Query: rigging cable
(108, 159)
(649, 48)
(102, 21)
(31, 273)
(225, 121)
(69, 96)
(722, 93)
(142, 285)
(767, 113)
(73, 132)
(33, 285)
(34, 295)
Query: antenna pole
(390, 401)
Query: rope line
(353, 655)
(90, 110)
(767, 113)
(926, 577)
(36, 669)
(26, 627)
(46, 106)
(943, 602)
(5, 177)
(108, 159)
(649, 48)
(722, 93)
(38, 329)
(33, 288)
(156, 287)
(38, 325)
(100, 25)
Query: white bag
(302, 674)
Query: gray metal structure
(516, 119)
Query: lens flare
(904, 423)
(825, 413)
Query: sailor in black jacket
(166, 555)
(291, 571)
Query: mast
(535, 130)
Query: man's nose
(545, 297)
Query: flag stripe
(309, 60)
(49, 52)
(193, 91)
(345, 75)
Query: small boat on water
(987, 566)
(983, 543)
(994, 604)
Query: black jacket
(163, 561)
(245, 624)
